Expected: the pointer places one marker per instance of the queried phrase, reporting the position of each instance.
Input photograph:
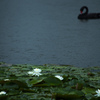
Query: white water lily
(6, 80)
(2, 92)
(30, 72)
(59, 77)
(98, 93)
(35, 72)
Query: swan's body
(87, 15)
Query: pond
(48, 32)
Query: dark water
(48, 31)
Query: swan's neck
(86, 12)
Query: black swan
(87, 15)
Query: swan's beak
(81, 12)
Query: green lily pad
(88, 90)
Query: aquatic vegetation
(20, 82)
(35, 72)
(6, 80)
(98, 93)
(2, 92)
(59, 77)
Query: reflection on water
(39, 32)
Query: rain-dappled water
(48, 31)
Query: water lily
(35, 72)
(98, 93)
(59, 77)
(30, 72)
(6, 80)
(2, 92)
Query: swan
(87, 15)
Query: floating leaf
(70, 94)
(53, 81)
(88, 90)
(34, 81)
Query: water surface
(48, 31)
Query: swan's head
(82, 9)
